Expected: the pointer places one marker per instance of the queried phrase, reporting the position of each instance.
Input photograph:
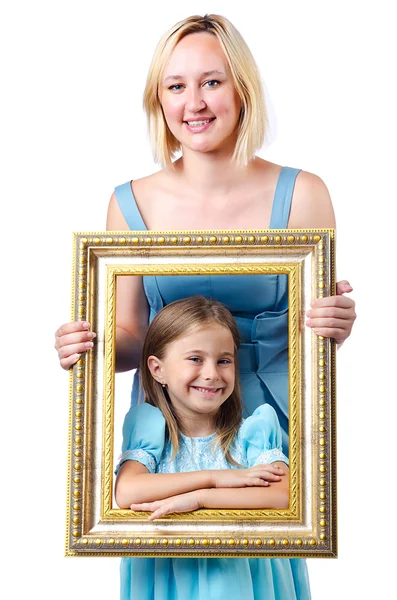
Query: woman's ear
(155, 367)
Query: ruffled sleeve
(260, 435)
(143, 436)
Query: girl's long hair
(174, 321)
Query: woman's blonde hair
(174, 321)
(252, 121)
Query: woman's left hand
(175, 504)
(333, 317)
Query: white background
(72, 128)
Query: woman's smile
(199, 125)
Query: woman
(204, 97)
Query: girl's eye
(195, 359)
(225, 361)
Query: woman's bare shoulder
(148, 184)
(142, 188)
(311, 203)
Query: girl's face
(199, 100)
(198, 370)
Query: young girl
(188, 443)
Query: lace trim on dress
(140, 456)
(270, 456)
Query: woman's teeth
(198, 123)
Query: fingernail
(309, 313)
(312, 304)
(86, 325)
(91, 335)
(88, 345)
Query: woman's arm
(132, 311)
(132, 315)
(312, 209)
(275, 495)
(135, 484)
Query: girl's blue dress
(259, 303)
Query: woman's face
(199, 100)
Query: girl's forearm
(132, 488)
(276, 495)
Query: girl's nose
(210, 372)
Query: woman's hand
(71, 340)
(175, 504)
(333, 317)
(259, 475)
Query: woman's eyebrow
(204, 74)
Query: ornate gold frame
(308, 527)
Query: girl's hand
(70, 340)
(259, 475)
(333, 317)
(176, 504)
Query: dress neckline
(279, 209)
(204, 438)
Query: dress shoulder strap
(128, 206)
(283, 198)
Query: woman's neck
(210, 175)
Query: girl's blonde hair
(174, 321)
(252, 121)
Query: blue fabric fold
(143, 436)
(261, 437)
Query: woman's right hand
(259, 475)
(71, 339)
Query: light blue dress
(259, 304)
(257, 442)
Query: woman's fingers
(72, 327)
(332, 317)
(336, 302)
(71, 339)
(68, 362)
(343, 287)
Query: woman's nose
(195, 101)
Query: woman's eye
(213, 83)
(177, 87)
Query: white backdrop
(72, 128)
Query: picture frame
(95, 526)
